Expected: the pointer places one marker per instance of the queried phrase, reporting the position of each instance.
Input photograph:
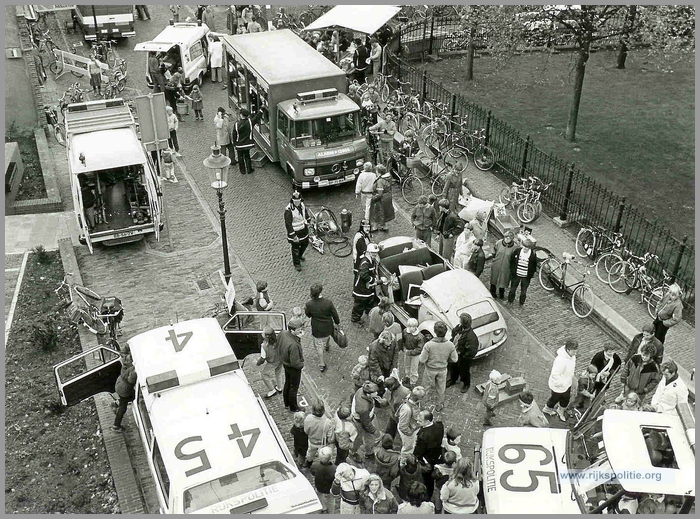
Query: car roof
(281, 57)
(181, 33)
(626, 449)
(455, 289)
(91, 147)
(341, 104)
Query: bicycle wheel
(411, 189)
(56, 67)
(94, 323)
(484, 159)
(439, 183)
(326, 223)
(306, 18)
(432, 140)
(121, 84)
(469, 143)
(582, 301)
(602, 266)
(457, 159)
(526, 212)
(550, 273)
(384, 92)
(59, 132)
(585, 242)
(410, 122)
(505, 196)
(654, 299)
(621, 277)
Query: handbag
(340, 338)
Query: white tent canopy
(366, 19)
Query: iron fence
(573, 195)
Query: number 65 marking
(534, 474)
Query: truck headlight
(309, 172)
(359, 163)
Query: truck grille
(344, 166)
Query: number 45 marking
(246, 450)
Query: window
(659, 448)
(482, 313)
(145, 418)
(235, 484)
(161, 472)
(316, 132)
(196, 50)
(283, 123)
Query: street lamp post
(217, 168)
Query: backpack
(342, 438)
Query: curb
(128, 491)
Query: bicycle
(102, 50)
(627, 274)
(113, 85)
(44, 44)
(324, 228)
(594, 240)
(515, 193)
(411, 185)
(530, 207)
(58, 129)
(553, 276)
(312, 13)
(84, 308)
(484, 158)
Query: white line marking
(11, 314)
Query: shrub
(45, 334)
(42, 256)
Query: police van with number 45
(212, 446)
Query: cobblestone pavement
(157, 282)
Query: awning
(105, 149)
(366, 19)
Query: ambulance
(611, 461)
(212, 446)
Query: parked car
(425, 286)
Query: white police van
(212, 446)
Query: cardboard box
(515, 385)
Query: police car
(610, 462)
(212, 446)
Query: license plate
(123, 234)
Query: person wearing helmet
(366, 281)
(360, 242)
(296, 220)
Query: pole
(565, 209)
(425, 87)
(94, 19)
(160, 170)
(681, 251)
(224, 241)
(618, 218)
(432, 28)
(523, 164)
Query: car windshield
(326, 130)
(482, 313)
(235, 484)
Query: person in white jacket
(561, 379)
(671, 391)
(216, 59)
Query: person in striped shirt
(523, 264)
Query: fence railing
(573, 196)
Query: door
(87, 374)
(80, 212)
(244, 330)
(153, 196)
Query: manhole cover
(203, 284)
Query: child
(393, 327)
(450, 443)
(299, 314)
(586, 388)
(360, 373)
(262, 300)
(490, 399)
(442, 472)
(197, 103)
(387, 460)
(345, 434)
(301, 439)
(374, 317)
(412, 345)
(166, 157)
(323, 470)
(530, 413)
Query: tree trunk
(470, 54)
(580, 68)
(629, 26)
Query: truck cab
(308, 125)
(612, 461)
(113, 21)
(183, 45)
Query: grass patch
(55, 461)
(32, 186)
(636, 127)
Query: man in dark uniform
(296, 221)
(359, 61)
(243, 135)
(366, 281)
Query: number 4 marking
(172, 337)
(246, 450)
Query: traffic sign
(152, 121)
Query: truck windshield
(235, 484)
(326, 130)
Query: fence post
(424, 87)
(523, 164)
(422, 43)
(618, 218)
(432, 28)
(565, 209)
(488, 128)
(681, 251)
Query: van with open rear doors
(116, 192)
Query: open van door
(80, 212)
(153, 46)
(244, 330)
(153, 196)
(87, 374)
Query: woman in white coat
(464, 247)
(216, 59)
